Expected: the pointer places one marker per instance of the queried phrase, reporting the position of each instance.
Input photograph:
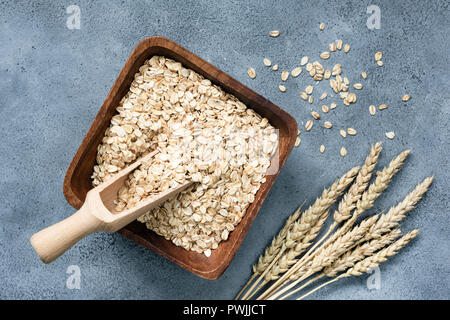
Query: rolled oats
(202, 133)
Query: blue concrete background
(53, 81)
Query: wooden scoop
(97, 214)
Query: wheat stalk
(371, 261)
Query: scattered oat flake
(406, 97)
(297, 141)
(304, 95)
(351, 131)
(378, 55)
(380, 63)
(332, 46)
(298, 131)
(343, 133)
(295, 73)
(322, 26)
(267, 62)
(304, 60)
(372, 110)
(282, 88)
(327, 124)
(309, 89)
(358, 86)
(315, 115)
(325, 109)
(364, 75)
(343, 152)
(346, 48)
(383, 106)
(284, 75)
(325, 55)
(323, 96)
(390, 135)
(274, 33)
(310, 99)
(322, 148)
(275, 67)
(309, 125)
(339, 44)
(251, 73)
(333, 105)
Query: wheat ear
(392, 218)
(370, 262)
(309, 218)
(347, 204)
(350, 258)
(305, 227)
(332, 252)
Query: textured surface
(53, 80)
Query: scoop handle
(53, 241)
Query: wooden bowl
(77, 181)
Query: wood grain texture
(77, 181)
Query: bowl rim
(141, 47)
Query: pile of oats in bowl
(202, 134)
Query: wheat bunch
(350, 249)
(303, 228)
(327, 255)
(377, 233)
(349, 259)
(371, 261)
(351, 201)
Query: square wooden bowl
(77, 181)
